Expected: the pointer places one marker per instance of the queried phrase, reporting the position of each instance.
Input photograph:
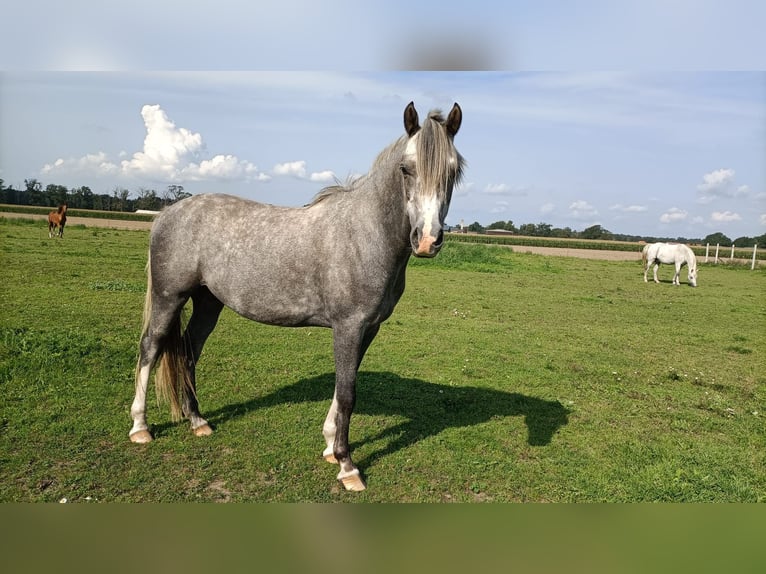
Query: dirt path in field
(580, 253)
(86, 221)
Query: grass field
(548, 379)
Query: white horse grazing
(678, 253)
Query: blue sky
(620, 114)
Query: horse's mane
(332, 190)
(434, 150)
(691, 258)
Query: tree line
(83, 197)
(598, 232)
(122, 199)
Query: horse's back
(273, 264)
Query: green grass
(499, 377)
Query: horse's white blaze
(430, 213)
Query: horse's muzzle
(426, 245)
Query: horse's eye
(404, 170)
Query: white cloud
(326, 176)
(505, 189)
(716, 179)
(724, 216)
(294, 168)
(500, 207)
(298, 169)
(628, 208)
(91, 163)
(581, 209)
(720, 183)
(673, 215)
(762, 218)
(222, 167)
(169, 153)
(166, 147)
(497, 188)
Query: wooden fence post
(752, 265)
(717, 245)
(731, 257)
(707, 251)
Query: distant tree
(543, 229)
(82, 197)
(717, 238)
(497, 225)
(34, 191)
(559, 232)
(120, 197)
(476, 227)
(147, 199)
(174, 193)
(596, 232)
(744, 241)
(55, 194)
(527, 229)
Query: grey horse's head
(430, 168)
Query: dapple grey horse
(338, 262)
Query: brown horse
(57, 219)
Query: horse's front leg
(677, 276)
(349, 345)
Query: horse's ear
(454, 120)
(411, 122)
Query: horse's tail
(172, 380)
(644, 251)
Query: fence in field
(731, 255)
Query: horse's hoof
(329, 456)
(353, 482)
(141, 437)
(204, 430)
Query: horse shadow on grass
(427, 407)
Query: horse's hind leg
(207, 309)
(656, 266)
(162, 314)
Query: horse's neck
(389, 203)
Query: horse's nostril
(439, 238)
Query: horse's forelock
(435, 154)
(435, 151)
